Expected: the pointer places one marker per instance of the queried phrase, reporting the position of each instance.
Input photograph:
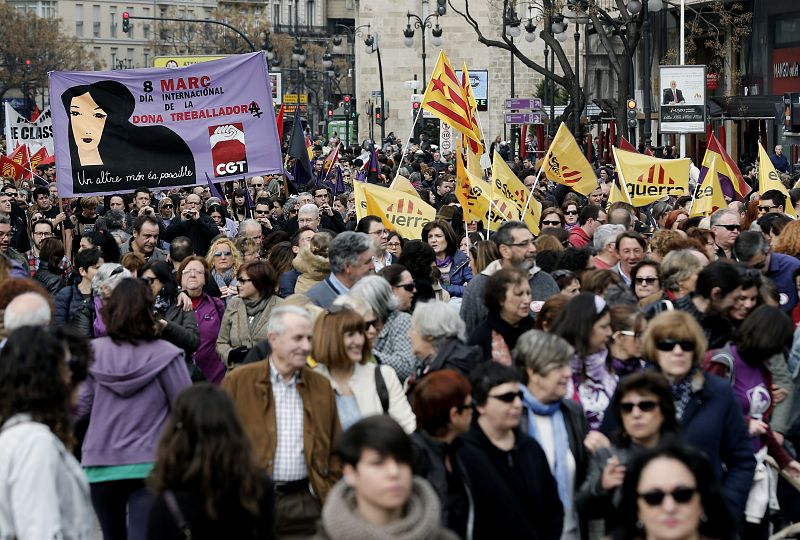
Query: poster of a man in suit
(673, 95)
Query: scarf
(223, 280)
(560, 438)
(443, 263)
(682, 392)
(254, 308)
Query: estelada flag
(444, 98)
(649, 179)
(398, 210)
(730, 178)
(509, 187)
(564, 163)
(708, 197)
(472, 111)
(768, 178)
(10, 168)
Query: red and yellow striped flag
(472, 111)
(444, 98)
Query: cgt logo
(404, 213)
(228, 149)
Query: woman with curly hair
(224, 260)
(43, 491)
(788, 240)
(206, 481)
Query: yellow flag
(398, 210)
(768, 178)
(473, 162)
(564, 163)
(444, 98)
(649, 179)
(475, 195)
(708, 197)
(509, 187)
(401, 183)
(472, 110)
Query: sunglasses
(680, 495)
(372, 323)
(766, 208)
(222, 254)
(262, 212)
(571, 212)
(731, 228)
(553, 223)
(645, 280)
(667, 345)
(646, 405)
(242, 280)
(508, 397)
(167, 206)
(410, 287)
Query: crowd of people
(257, 364)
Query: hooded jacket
(341, 520)
(129, 393)
(313, 269)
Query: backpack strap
(724, 356)
(383, 391)
(177, 515)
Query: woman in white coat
(341, 353)
(43, 490)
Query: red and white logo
(228, 149)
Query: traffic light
(126, 22)
(378, 116)
(441, 7)
(632, 121)
(346, 98)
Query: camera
(187, 215)
(148, 212)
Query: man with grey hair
(604, 242)
(250, 228)
(27, 309)
(308, 216)
(725, 225)
(517, 250)
(350, 259)
(438, 334)
(289, 413)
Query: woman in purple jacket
(128, 395)
(208, 310)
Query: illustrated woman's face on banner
(88, 121)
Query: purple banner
(160, 128)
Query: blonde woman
(224, 260)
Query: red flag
(522, 150)
(35, 114)
(10, 168)
(38, 157)
(625, 145)
(279, 122)
(22, 157)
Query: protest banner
(115, 131)
(649, 179)
(20, 131)
(399, 211)
(565, 164)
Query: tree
(626, 28)
(25, 36)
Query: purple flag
(115, 131)
(214, 190)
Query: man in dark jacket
(200, 228)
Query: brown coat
(251, 389)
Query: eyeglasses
(147, 280)
(393, 244)
(290, 211)
(242, 280)
(680, 495)
(766, 208)
(571, 212)
(192, 272)
(646, 405)
(372, 323)
(43, 234)
(508, 397)
(732, 227)
(262, 212)
(645, 280)
(666, 345)
(553, 223)
(410, 287)
(223, 253)
(167, 206)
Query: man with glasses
(771, 202)
(256, 185)
(6, 233)
(725, 225)
(199, 227)
(752, 250)
(373, 227)
(631, 247)
(589, 219)
(329, 219)
(42, 229)
(19, 240)
(517, 250)
(263, 213)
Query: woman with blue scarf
(557, 424)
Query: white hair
(309, 209)
(605, 234)
(109, 275)
(438, 321)
(27, 309)
(277, 319)
(377, 292)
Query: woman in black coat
(50, 274)
(514, 491)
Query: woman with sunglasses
(709, 415)
(341, 353)
(646, 282)
(671, 492)
(514, 490)
(552, 217)
(402, 285)
(508, 299)
(625, 345)
(762, 335)
(224, 260)
(571, 209)
(556, 423)
(585, 323)
(245, 321)
(644, 410)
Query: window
(276, 15)
(146, 24)
(114, 58)
(131, 27)
(113, 14)
(310, 14)
(96, 21)
(147, 58)
(79, 20)
(129, 57)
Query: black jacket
(453, 354)
(201, 232)
(68, 301)
(515, 493)
(50, 281)
(482, 335)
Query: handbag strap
(177, 515)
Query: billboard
(158, 128)
(480, 86)
(682, 99)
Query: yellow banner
(399, 211)
(508, 186)
(649, 179)
(768, 178)
(708, 197)
(401, 183)
(476, 198)
(564, 163)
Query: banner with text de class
(19, 131)
(160, 128)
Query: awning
(745, 107)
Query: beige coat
(312, 268)
(235, 332)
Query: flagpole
(621, 176)
(533, 190)
(408, 141)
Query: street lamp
(423, 24)
(371, 42)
